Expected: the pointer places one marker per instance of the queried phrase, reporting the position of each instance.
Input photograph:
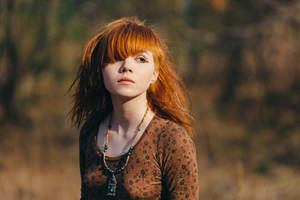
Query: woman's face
(130, 77)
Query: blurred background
(239, 59)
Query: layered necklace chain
(112, 181)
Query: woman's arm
(179, 164)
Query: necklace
(112, 181)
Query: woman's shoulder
(173, 140)
(169, 130)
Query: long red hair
(120, 39)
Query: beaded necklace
(112, 181)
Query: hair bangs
(128, 40)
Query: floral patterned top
(163, 165)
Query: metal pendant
(112, 186)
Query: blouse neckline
(100, 153)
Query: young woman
(136, 139)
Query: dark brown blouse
(163, 165)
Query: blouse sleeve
(179, 164)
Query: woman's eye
(141, 59)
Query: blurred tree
(260, 83)
(24, 49)
(9, 63)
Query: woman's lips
(125, 80)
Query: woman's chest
(140, 179)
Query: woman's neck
(128, 113)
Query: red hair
(120, 39)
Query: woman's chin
(127, 95)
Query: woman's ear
(154, 78)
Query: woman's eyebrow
(144, 53)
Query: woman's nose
(126, 66)
(126, 69)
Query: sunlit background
(239, 59)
